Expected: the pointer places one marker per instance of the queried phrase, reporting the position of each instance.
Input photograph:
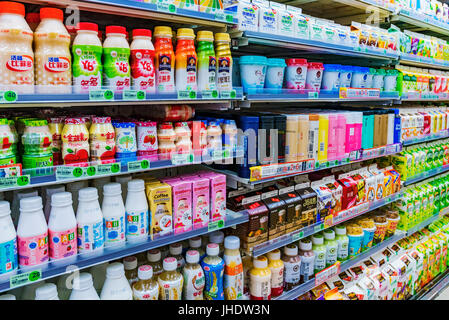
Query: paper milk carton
(285, 19)
(217, 184)
(248, 16)
(182, 204)
(268, 17)
(200, 201)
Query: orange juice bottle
(186, 60)
(164, 59)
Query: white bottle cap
(83, 281)
(317, 239)
(175, 248)
(8, 297)
(291, 250)
(88, 194)
(115, 270)
(195, 242)
(31, 204)
(154, 255)
(232, 242)
(170, 264)
(329, 234)
(112, 189)
(274, 255)
(145, 272)
(47, 291)
(216, 237)
(4, 208)
(192, 256)
(136, 185)
(61, 199)
(305, 245)
(130, 263)
(260, 262)
(340, 230)
(212, 249)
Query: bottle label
(331, 255)
(33, 250)
(194, 283)
(292, 272)
(277, 281)
(233, 278)
(147, 139)
(8, 256)
(62, 244)
(116, 68)
(164, 74)
(214, 280)
(224, 74)
(114, 230)
(151, 294)
(306, 268)
(136, 223)
(170, 289)
(142, 70)
(260, 290)
(87, 67)
(342, 250)
(207, 71)
(90, 237)
(320, 260)
(191, 71)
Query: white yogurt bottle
(143, 73)
(62, 228)
(116, 287)
(74, 188)
(83, 288)
(8, 241)
(90, 223)
(314, 76)
(331, 77)
(48, 193)
(114, 215)
(32, 233)
(253, 69)
(47, 291)
(275, 74)
(136, 212)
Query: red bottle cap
(12, 7)
(295, 62)
(141, 33)
(88, 26)
(51, 13)
(116, 29)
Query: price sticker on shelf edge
(138, 165)
(108, 168)
(25, 278)
(216, 225)
(66, 172)
(10, 182)
(101, 95)
(8, 96)
(209, 94)
(313, 95)
(297, 236)
(165, 6)
(318, 227)
(327, 273)
(228, 94)
(178, 159)
(186, 95)
(134, 95)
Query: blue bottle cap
(260, 60)
(276, 62)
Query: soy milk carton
(160, 202)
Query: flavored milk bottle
(154, 260)
(87, 51)
(136, 211)
(8, 241)
(83, 288)
(292, 267)
(17, 57)
(233, 272)
(260, 280)
(116, 54)
(142, 61)
(146, 288)
(194, 280)
(47, 291)
(277, 272)
(90, 222)
(53, 67)
(102, 139)
(49, 191)
(164, 60)
(213, 267)
(114, 215)
(170, 281)
(116, 287)
(130, 264)
(62, 227)
(331, 247)
(224, 62)
(32, 233)
(186, 60)
(207, 63)
(307, 259)
(176, 251)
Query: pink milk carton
(182, 204)
(217, 195)
(200, 200)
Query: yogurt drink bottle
(136, 212)
(164, 60)
(233, 272)
(17, 56)
(224, 61)
(154, 260)
(213, 267)
(116, 52)
(87, 51)
(307, 259)
(260, 280)
(83, 288)
(48, 193)
(32, 233)
(143, 74)
(116, 287)
(292, 267)
(277, 272)
(194, 280)
(8, 241)
(207, 63)
(90, 223)
(114, 215)
(186, 61)
(47, 291)
(331, 247)
(146, 288)
(62, 227)
(170, 281)
(53, 67)
(130, 264)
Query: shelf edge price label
(134, 95)
(25, 278)
(138, 165)
(164, 6)
(8, 96)
(101, 95)
(318, 227)
(67, 172)
(178, 159)
(327, 273)
(297, 236)
(186, 94)
(16, 181)
(232, 94)
(108, 168)
(313, 95)
(209, 94)
(216, 225)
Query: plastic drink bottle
(195, 244)
(32, 233)
(48, 193)
(193, 274)
(331, 247)
(142, 61)
(207, 63)
(116, 287)
(233, 272)
(47, 291)
(146, 288)
(217, 237)
(277, 272)
(170, 281)
(83, 288)
(8, 241)
(75, 141)
(113, 214)
(307, 259)
(176, 251)
(186, 60)
(29, 291)
(17, 196)
(74, 188)
(102, 139)
(130, 264)
(53, 67)
(260, 279)
(213, 267)
(343, 242)
(90, 222)
(164, 60)
(62, 227)
(116, 54)
(224, 61)
(292, 267)
(319, 249)
(136, 211)
(154, 260)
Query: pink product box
(217, 195)
(200, 202)
(182, 204)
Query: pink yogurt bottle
(147, 139)
(314, 76)
(296, 73)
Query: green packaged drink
(331, 247)
(36, 144)
(343, 243)
(207, 62)
(8, 143)
(319, 249)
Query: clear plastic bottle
(307, 259)
(183, 140)
(260, 279)
(213, 267)
(154, 260)
(214, 139)
(166, 139)
(194, 280)
(47, 291)
(116, 287)
(292, 267)
(195, 244)
(130, 264)
(83, 288)
(114, 215)
(331, 247)
(136, 212)
(170, 281)
(233, 272)
(218, 238)
(8, 241)
(116, 52)
(277, 272)
(143, 75)
(176, 251)
(102, 139)
(146, 288)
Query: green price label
(115, 168)
(229, 18)
(101, 95)
(77, 172)
(91, 171)
(212, 226)
(297, 236)
(228, 94)
(10, 96)
(145, 164)
(186, 95)
(133, 95)
(25, 278)
(108, 95)
(209, 94)
(23, 180)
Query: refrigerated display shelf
(437, 136)
(433, 288)
(57, 268)
(423, 97)
(423, 23)
(424, 62)
(425, 175)
(423, 224)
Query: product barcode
(322, 146)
